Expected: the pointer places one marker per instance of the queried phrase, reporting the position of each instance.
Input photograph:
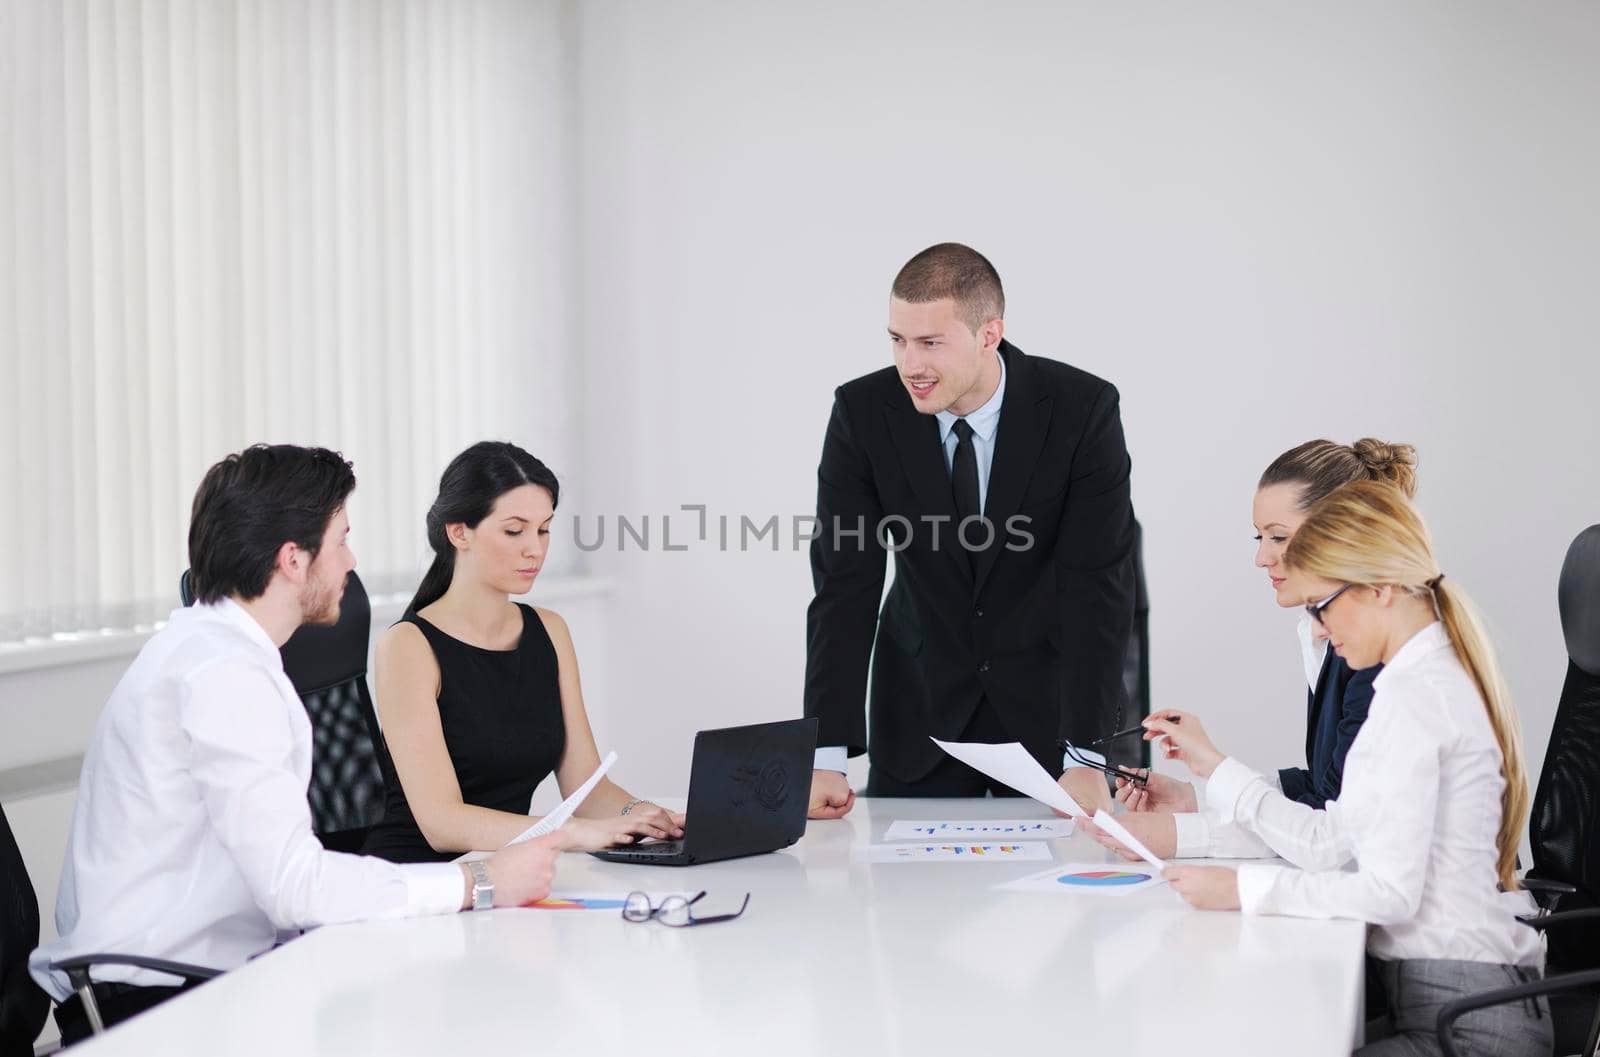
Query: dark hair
(954, 271)
(251, 504)
(468, 489)
(1321, 467)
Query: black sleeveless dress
(501, 713)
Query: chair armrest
(1565, 917)
(77, 970)
(82, 963)
(1452, 1011)
(1545, 892)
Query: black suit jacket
(1039, 627)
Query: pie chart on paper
(1103, 878)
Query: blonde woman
(1434, 795)
(1164, 812)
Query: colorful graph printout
(1103, 878)
(981, 829)
(1089, 879)
(1025, 851)
(611, 901)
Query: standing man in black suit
(999, 482)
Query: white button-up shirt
(1409, 846)
(191, 839)
(985, 423)
(1203, 836)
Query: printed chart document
(1087, 878)
(1026, 851)
(611, 901)
(1129, 841)
(554, 819)
(1011, 764)
(981, 829)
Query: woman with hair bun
(478, 696)
(1169, 820)
(1422, 841)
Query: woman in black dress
(478, 696)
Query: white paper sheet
(1011, 764)
(550, 822)
(1129, 841)
(1023, 851)
(564, 810)
(981, 829)
(1087, 878)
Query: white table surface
(833, 957)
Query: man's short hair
(251, 504)
(957, 272)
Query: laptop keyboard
(666, 847)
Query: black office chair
(328, 667)
(23, 1006)
(1564, 830)
(1136, 664)
(1555, 986)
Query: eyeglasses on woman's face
(1315, 609)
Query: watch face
(482, 887)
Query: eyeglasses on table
(675, 911)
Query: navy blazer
(1337, 708)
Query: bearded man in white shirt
(191, 840)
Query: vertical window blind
(335, 222)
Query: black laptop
(748, 792)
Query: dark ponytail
(467, 493)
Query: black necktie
(964, 481)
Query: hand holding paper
(1134, 844)
(1011, 764)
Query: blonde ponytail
(1465, 627)
(1368, 533)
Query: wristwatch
(482, 887)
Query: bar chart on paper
(1025, 851)
(980, 829)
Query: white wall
(1264, 222)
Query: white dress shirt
(1201, 835)
(985, 423)
(191, 839)
(1409, 846)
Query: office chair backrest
(328, 667)
(1136, 663)
(23, 1006)
(1564, 831)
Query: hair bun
(1394, 464)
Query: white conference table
(834, 956)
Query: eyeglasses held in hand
(674, 910)
(1314, 609)
(1079, 757)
